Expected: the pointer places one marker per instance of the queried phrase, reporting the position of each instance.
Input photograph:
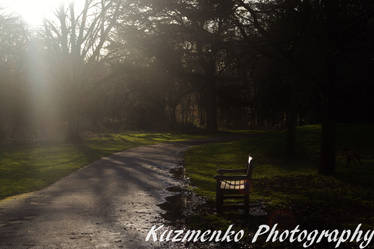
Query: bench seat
(233, 185)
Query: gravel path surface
(111, 203)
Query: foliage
(187, 64)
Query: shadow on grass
(25, 168)
(295, 186)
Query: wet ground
(183, 209)
(111, 203)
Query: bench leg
(219, 198)
(219, 201)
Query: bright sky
(32, 11)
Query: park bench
(231, 186)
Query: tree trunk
(211, 106)
(328, 147)
(291, 133)
(74, 135)
(172, 116)
(328, 139)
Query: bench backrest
(249, 167)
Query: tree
(345, 23)
(76, 42)
(278, 31)
(13, 43)
(198, 33)
(309, 39)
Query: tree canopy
(189, 64)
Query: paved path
(111, 203)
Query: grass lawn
(31, 167)
(295, 186)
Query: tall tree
(277, 31)
(14, 38)
(345, 23)
(310, 39)
(200, 31)
(76, 41)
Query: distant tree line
(186, 64)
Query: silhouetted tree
(197, 33)
(75, 42)
(306, 40)
(13, 43)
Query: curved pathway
(111, 203)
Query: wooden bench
(231, 186)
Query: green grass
(295, 185)
(25, 168)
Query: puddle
(15, 222)
(175, 189)
(174, 206)
(179, 173)
(182, 204)
(29, 217)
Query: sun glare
(33, 12)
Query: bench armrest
(225, 171)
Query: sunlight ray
(33, 12)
